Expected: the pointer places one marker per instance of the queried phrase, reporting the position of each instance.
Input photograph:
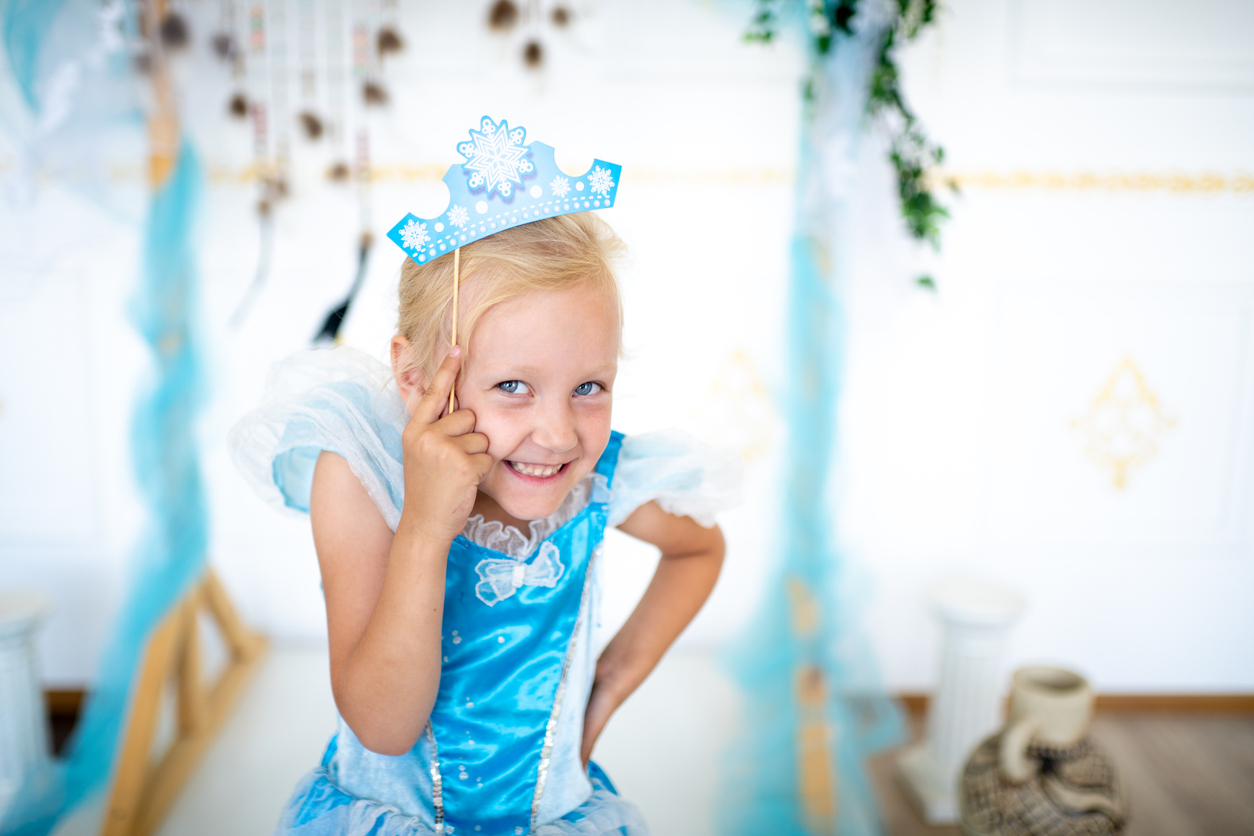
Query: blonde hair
(545, 256)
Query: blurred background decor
(815, 706)
(1041, 773)
(975, 619)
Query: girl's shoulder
(685, 476)
(341, 400)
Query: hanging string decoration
(310, 122)
(504, 16)
(331, 42)
(389, 40)
(259, 110)
(330, 330)
(337, 104)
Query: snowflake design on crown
(501, 160)
(496, 156)
(600, 181)
(415, 235)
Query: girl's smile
(535, 471)
(538, 376)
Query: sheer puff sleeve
(341, 400)
(684, 476)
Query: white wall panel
(959, 429)
(1148, 43)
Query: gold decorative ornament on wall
(739, 408)
(1124, 423)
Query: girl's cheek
(504, 435)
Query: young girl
(458, 548)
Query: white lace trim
(510, 541)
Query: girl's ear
(409, 378)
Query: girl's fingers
(482, 463)
(458, 423)
(435, 399)
(472, 443)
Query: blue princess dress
(500, 756)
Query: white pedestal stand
(23, 720)
(967, 705)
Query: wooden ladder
(143, 791)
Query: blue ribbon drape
(781, 653)
(172, 552)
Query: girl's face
(539, 375)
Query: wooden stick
(457, 266)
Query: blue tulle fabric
(320, 808)
(516, 637)
(762, 792)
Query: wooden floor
(1187, 775)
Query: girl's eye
(587, 388)
(513, 387)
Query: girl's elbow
(393, 736)
(715, 545)
(384, 743)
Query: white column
(23, 719)
(966, 708)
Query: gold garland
(435, 172)
(972, 180)
(1084, 181)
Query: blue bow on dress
(502, 578)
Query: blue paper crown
(503, 183)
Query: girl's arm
(689, 566)
(385, 592)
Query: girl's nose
(555, 429)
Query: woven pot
(1041, 775)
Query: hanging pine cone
(503, 15)
(311, 124)
(533, 54)
(374, 93)
(224, 46)
(339, 172)
(388, 41)
(560, 16)
(173, 31)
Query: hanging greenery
(914, 157)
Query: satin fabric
(502, 669)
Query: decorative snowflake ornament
(496, 157)
(415, 235)
(600, 181)
(502, 184)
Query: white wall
(958, 434)
(958, 450)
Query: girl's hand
(603, 701)
(445, 460)
(686, 572)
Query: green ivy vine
(914, 157)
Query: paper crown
(503, 183)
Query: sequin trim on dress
(551, 727)
(437, 783)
